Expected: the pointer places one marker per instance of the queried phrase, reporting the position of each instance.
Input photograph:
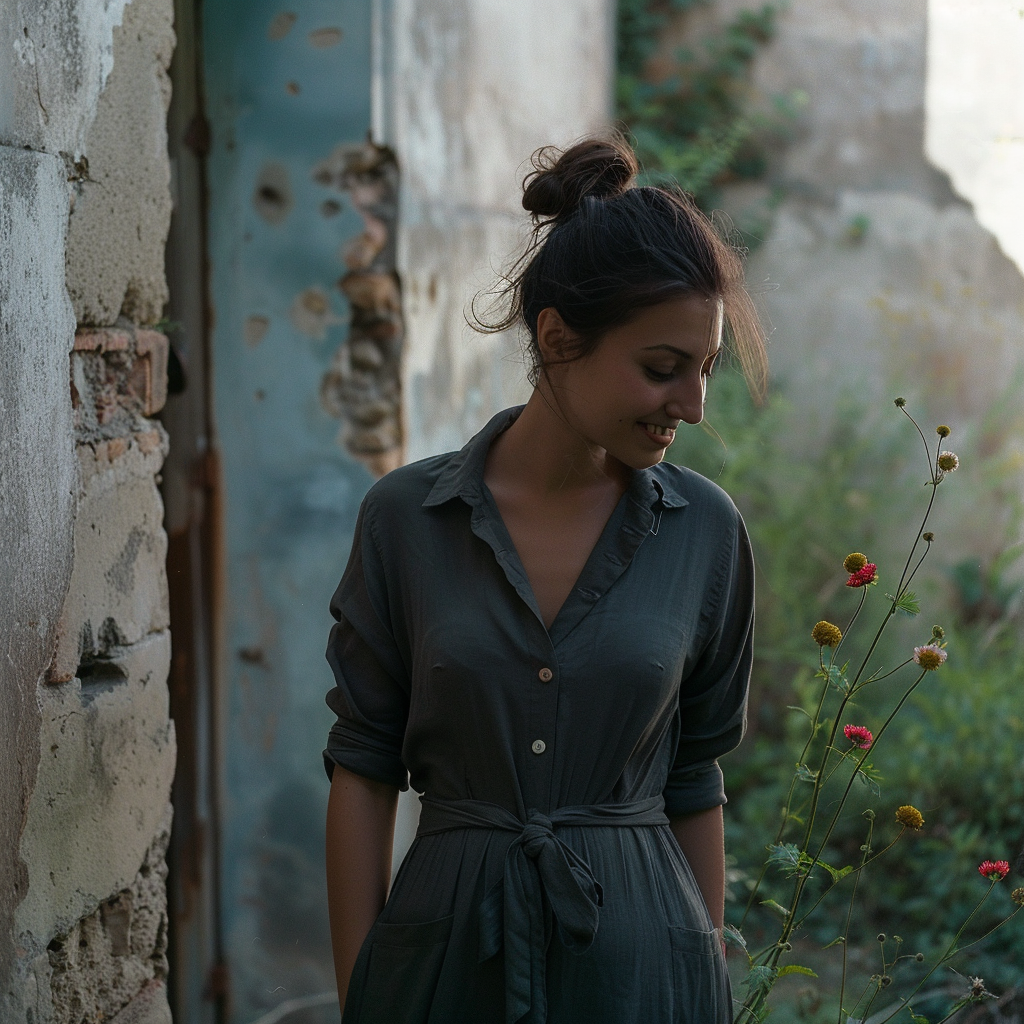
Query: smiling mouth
(659, 431)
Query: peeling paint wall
(86, 743)
(468, 91)
(288, 101)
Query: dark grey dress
(544, 883)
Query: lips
(659, 432)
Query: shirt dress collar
(636, 518)
(463, 476)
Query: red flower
(860, 736)
(863, 577)
(994, 870)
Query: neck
(544, 453)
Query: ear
(554, 339)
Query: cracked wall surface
(86, 743)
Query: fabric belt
(543, 876)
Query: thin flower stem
(855, 872)
(951, 950)
(849, 916)
(885, 725)
(863, 597)
(792, 784)
(893, 671)
(924, 441)
(924, 523)
(801, 882)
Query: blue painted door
(284, 86)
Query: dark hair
(602, 249)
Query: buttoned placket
(632, 521)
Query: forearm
(701, 837)
(360, 833)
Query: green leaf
(734, 937)
(786, 855)
(836, 874)
(760, 979)
(776, 908)
(837, 678)
(908, 603)
(805, 774)
(871, 777)
(916, 1018)
(803, 711)
(838, 940)
(795, 969)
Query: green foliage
(811, 490)
(696, 125)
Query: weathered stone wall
(875, 271)
(86, 744)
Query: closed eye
(657, 375)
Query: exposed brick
(105, 339)
(151, 351)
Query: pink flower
(859, 735)
(994, 870)
(929, 657)
(863, 577)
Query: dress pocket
(702, 992)
(402, 967)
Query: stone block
(122, 207)
(118, 590)
(102, 789)
(148, 1007)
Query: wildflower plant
(820, 789)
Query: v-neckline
(514, 552)
(628, 525)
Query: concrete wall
(875, 271)
(86, 744)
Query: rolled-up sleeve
(711, 717)
(371, 692)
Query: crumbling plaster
(86, 763)
(102, 789)
(122, 205)
(55, 56)
(37, 484)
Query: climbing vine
(699, 124)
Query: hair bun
(560, 180)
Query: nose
(686, 402)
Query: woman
(551, 632)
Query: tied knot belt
(542, 876)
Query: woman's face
(643, 378)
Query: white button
(539, 746)
(545, 675)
